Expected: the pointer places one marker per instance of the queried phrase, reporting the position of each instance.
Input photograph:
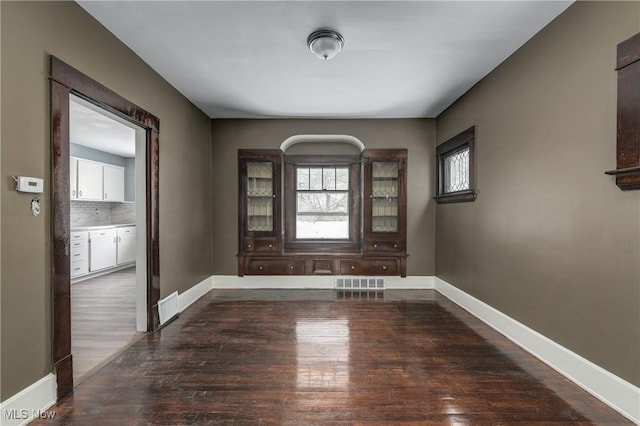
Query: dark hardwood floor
(103, 319)
(321, 357)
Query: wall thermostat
(29, 184)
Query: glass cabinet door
(260, 196)
(384, 196)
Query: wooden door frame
(66, 80)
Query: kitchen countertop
(95, 228)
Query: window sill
(457, 197)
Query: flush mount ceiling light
(325, 43)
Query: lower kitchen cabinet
(126, 244)
(103, 249)
(79, 254)
(100, 249)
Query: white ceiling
(249, 59)
(96, 128)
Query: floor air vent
(360, 283)
(168, 308)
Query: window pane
(456, 171)
(323, 202)
(329, 178)
(342, 178)
(322, 227)
(322, 215)
(302, 179)
(315, 179)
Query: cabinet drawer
(368, 267)
(79, 268)
(79, 253)
(104, 233)
(275, 267)
(261, 246)
(79, 239)
(125, 230)
(392, 246)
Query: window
(322, 202)
(455, 177)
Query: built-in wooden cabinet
(260, 201)
(378, 247)
(385, 201)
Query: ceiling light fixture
(325, 43)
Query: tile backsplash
(97, 213)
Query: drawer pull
(353, 267)
(76, 269)
(395, 246)
(76, 255)
(291, 267)
(80, 193)
(260, 267)
(270, 245)
(249, 245)
(375, 246)
(384, 267)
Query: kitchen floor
(103, 319)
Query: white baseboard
(617, 393)
(301, 282)
(186, 298)
(30, 403)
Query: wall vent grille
(168, 308)
(360, 283)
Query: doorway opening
(72, 90)
(108, 269)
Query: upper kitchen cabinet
(89, 180)
(93, 181)
(113, 183)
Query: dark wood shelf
(629, 171)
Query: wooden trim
(456, 197)
(628, 52)
(627, 172)
(66, 80)
(100, 95)
(292, 244)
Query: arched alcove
(322, 144)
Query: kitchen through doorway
(107, 235)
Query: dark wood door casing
(66, 80)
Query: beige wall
(551, 241)
(417, 135)
(30, 32)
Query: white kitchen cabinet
(73, 178)
(79, 256)
(93, 181)
(126, 244)
(113, 183)
(89, 180)
(102, 249)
